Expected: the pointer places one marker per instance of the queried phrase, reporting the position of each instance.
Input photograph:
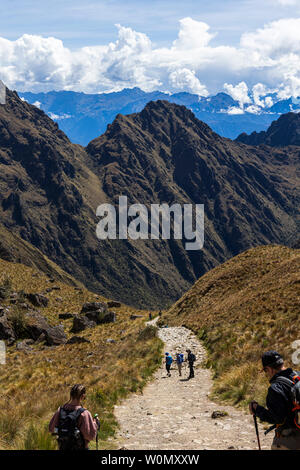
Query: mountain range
(50, 189)
(283, 132)
(84, 117)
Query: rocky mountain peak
(282, 132)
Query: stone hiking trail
(175, 414)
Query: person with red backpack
(283, 402)
(73, 424)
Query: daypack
(69, 436)
(191, 357)
(169, 360)
(179, 359)
(294, 394)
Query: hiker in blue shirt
(169, 361)
(179, 362)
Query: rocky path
(173, 413)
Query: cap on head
(188, 350)
(167, 354)
(271, 359)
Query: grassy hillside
(243, 307)
(35, 383)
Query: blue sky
(240, 46)
(82, 23)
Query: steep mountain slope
(13, 248)
(85, 116)
(247, 305)
(50, 189)
(36, 378)
(43, 182)
(285, 131)
(164, 152)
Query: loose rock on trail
(175, 413)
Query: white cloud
(238, 93)
(185, 79)
(253, 109)
(268, 101)
(235, 110)
(192, 34)
(274, 40)
(58, 117)
(266, 59)
(259, 92)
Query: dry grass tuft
(243, 307)
(35, 383)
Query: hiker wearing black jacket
(191, 359)
(279, 403)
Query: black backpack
(192, 358)
(294, 395)
(69, 436)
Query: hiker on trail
(150, 316)
(179, 361)
(169, 361)
(280, 403)
(73, 424)
(191, 359)
(160, 313)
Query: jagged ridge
(50, 189)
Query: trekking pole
(256, 430)
(97, 435)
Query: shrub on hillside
(149, 332)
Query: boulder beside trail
(38, 300)
(6, 330)
(35, 328)
(92, 314)
(218, 414)
(80, 323)
(109, 317)
(94, 306)
(36, 325)
(56, 336)
(101, 317)
(24, 345)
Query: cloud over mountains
(266, 60)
